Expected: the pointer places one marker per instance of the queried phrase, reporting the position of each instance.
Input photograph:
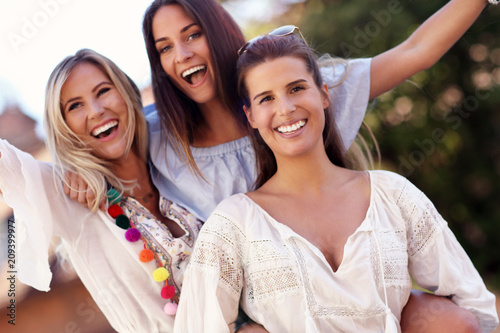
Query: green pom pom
(123, 222)
(114, 196)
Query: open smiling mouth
(287, 129)
(195, 74)
(105, 130)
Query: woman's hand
(78, 190)
(251, 328)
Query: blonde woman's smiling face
(95, 111)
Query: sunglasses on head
(278, 32)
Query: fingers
(77, 189)
(103, 205)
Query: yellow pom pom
(160, 274)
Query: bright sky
(36, 34)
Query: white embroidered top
(284, 283)
(107, 264)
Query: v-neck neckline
(364, 225)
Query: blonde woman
(131, 258)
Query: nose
(96, 109)
(286, 107)
(182, 53)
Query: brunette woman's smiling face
(95, 111)
(286, 106)
(184, 53)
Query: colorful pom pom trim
(133, 235)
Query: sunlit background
(458, 98)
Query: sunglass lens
(282, 31)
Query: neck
(131, 167)
(220, 125)
(306, 175)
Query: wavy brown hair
(268, 48)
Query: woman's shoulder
(392, 185)
(337, 70)
(235, 207)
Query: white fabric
(105, 261)
(230, 167)
(284, 283)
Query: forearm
(425, 46)
(442, 30)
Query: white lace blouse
(108, 264)
(284, 283)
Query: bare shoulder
(357, 181)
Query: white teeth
(291, 128)
(104, 127)
(192, 70)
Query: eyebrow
(288, 85)
(182, 30)
(78, 97)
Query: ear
(249, 114)
(325, 96)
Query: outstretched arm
(425, 46)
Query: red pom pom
(168, 292)
(133, 235)
(146, 255)
(115, 210)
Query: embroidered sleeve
(218, 249)
(438, 262)
(214, 279)
(423, 222)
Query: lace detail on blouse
(423, 222)
(318, 310)
(394, 257)
(221, 253)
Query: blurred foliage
(441, 128)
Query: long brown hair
(179, 115)
(268, 48)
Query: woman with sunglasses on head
(317, 247)
(130, 259)
(197, 120)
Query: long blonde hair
(68, 151)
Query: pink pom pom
(170, 309)
(133, 235)
(167, 292)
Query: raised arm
(425, 46)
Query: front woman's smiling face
(184, 53)
(95, 111)
(286, 106)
